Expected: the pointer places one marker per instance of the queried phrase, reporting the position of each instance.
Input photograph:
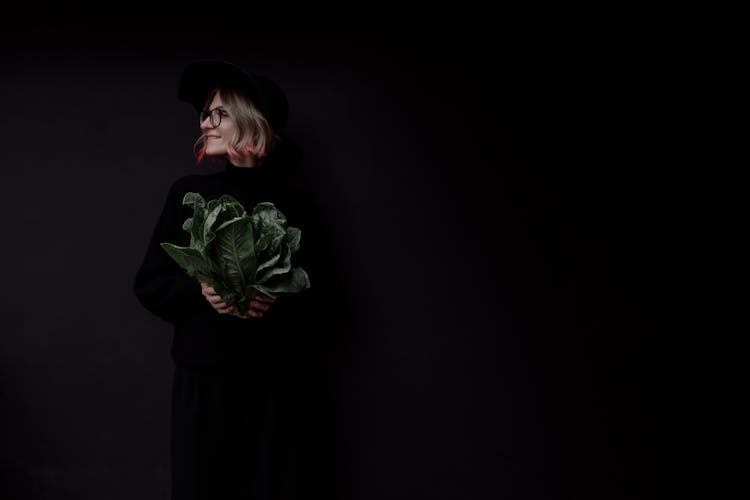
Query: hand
(215, 299)
(259, 305)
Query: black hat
(200, 77)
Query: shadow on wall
(16, 480)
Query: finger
(254, 314)
(221, 305)
(265, 298)
(225, 310)
(258, 305)
(216, 300)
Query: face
(217, 138)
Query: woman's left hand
(259, 305)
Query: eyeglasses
(214, 115)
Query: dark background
(539, 225)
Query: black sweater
(201, 335)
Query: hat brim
(200, 78)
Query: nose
(206, 124)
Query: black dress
(238, 401)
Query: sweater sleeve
(161, 286)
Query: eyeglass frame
(210, 113)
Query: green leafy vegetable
(237, 253)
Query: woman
(237, 398)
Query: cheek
(226, 131)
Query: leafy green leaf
(190, 259)
(227, 243)
(291, 282)
(233, 246)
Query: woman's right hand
(215, 299)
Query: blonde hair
(253, 136)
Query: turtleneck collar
(236, 172)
